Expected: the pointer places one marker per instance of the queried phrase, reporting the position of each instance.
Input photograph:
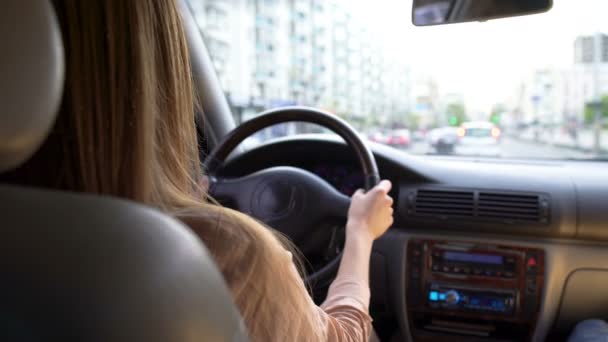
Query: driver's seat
(82, 267)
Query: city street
(514, 148)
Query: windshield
(535, 86)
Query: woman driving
(126, 128)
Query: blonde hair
(126, 128)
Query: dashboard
(467, 229)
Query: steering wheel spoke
(339, 205)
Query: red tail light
(495, 132)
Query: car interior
(481, 249)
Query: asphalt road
(512, 148)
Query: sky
(485, 62)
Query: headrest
(92, 268)
(31, 77)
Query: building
(544, 96)
(553, 96)
(588, 78)
(591, 49)
(271, 53)
(424, 98)
(214, 20)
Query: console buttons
(509, 274)
(435, 268)
(456, 269)
(510, 260)
(510, 302)
(531, 285)
(489, 273)
(531, 263)
(445, 269)
(452, 297)
(477, 271)
(466, 270)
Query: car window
(540, 80)
(477, 132)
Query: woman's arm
(369, 216)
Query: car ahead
(399, 138)
(478, 138)
(377, 136)
(443, 139)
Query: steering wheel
(288, 199)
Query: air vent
(444, 203)
(512, 207)
(504, 207)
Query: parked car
(399, 138)
(443, 139)
(377, 136)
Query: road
(512, 148)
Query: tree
(496, 114)
(590, 109)
(456, 114)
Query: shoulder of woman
(214, 225)
(230, 234)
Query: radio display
(473, 258)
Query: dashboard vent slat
(444, 203)
(483, 205)
(514, 207)
(483, 208)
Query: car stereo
(483, 264)
(455, 297)
(471, 288)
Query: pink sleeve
(346, 309)
(343, 317)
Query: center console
(470, 291)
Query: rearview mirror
(438, 12)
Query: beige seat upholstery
(81, 267)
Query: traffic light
(453, 120)
(495, 118)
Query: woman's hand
(371, 213)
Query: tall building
(271, 50)
(591, 49)
(214, 19)
(271, 53)
(588, 78)
(320, 92)
(340, 59)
